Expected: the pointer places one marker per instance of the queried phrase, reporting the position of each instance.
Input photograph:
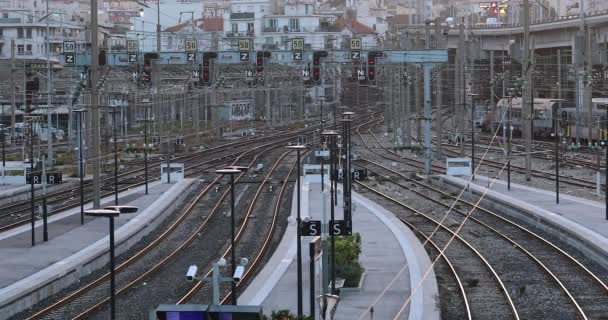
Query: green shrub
(348, 267)
(286, 315)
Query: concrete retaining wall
(33, 289)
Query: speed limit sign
(244, 45)
(355, 44)
(190, 45)
(69, 47)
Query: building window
(235, 27)
(28, 33)
(294, 25)
(5, 15)
(269, 40)
(1, 48)
(250, 27)
(20, 49)
(19, 33)
(28, 49)
(272, 25)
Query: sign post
(244, 50)
(191, 50)
(355, 49)
(297, 49)
(132, 49)
(69, 49)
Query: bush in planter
(347, 259)
(285, 315)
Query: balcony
(239, 34)
(242, 16)
(10, 20)
(286, 29)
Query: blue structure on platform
(278, 56)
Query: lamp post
(111, 213)
(32, 120)
(472, 100)
(321, 99)
(558, 138)
(80, 112)
(232, 171)
(346, 182)
(331, 135)
(299, 148)
(115, 156)
(145, 121)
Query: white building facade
(24, 22)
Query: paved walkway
(66, 236)
(30, 274)
(383, 256)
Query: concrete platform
(580, 222)
(30, 274)
(392, 256)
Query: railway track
(573, 181)
(200, 216)
(580, 288)
(200, 225)
(17, 213)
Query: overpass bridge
(554, 33)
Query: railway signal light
(102, 57)
(260, 62)
(371, 64)
(316, 65)
(31, 86)
(205, 72)
(148, 57)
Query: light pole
(80, 112)
(111, 213)
(31, 120)
(115, 156)
(346, 182)
(299, 148)
(321, 99)
(331, 135)
(232, 171)
(146, 147)
(472, 100)
(558, 138)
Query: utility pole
(408, 106)
(526, 96)
(13, 92)
(492, 94)
(95, 154)
(461, 85)
(438, 113)
(49, 85)
(577, 56)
